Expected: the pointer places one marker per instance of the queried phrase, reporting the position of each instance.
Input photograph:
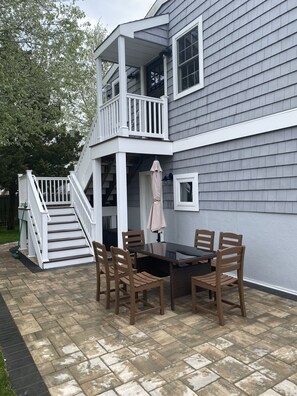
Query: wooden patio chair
(134, 284)
(103, 267)
(226, 240)
(131, 239)
(204, 239)
(229, 259)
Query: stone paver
(82, 349)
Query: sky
(114, 12)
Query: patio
(80, 348)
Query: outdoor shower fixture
(168, 177)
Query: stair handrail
(40, 218)
(82, 207)
(85, 155)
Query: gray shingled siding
(254, 174)
(156, 35)
(250, 63)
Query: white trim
(155, 7)
(284, 119)
(192, 206)
(129, 29)
(270, 286)
(113, 83)
(176, 94)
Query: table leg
(171, 286)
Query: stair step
(63, 226)
(65, 262)
(62, 253)
(68, 248)
(56, 234)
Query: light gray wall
(252, 174)
(270, 241)
(250, 62)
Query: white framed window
(115, 87)
(185, 192)
(187, 55)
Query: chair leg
(98, 288)
(132, 308)
(194, 309)
(117, 298)
(161, 295)
(107, 295)
(241, 298)
(220, 307)
(144, 295)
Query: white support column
(99, 78)
(122, 199)
(123, 86)
(97, 199)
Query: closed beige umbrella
(156, 221)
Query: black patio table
(180, 262)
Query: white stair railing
(38, 219)
(53, 190)
(82, 207)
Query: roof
(138, 51)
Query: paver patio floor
(80, 348)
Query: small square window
(186, 192)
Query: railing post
(44, 237)
(165, 117)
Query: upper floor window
(187, 48)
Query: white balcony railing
(146, 117)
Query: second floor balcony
(139, 109)
(143, 116)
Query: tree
(37, 139)
(48, 93)
(52, 32)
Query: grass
(8, 236)
(5, 389)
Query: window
(186, 192)
(187, 47)
(115, 87)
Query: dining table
(179, 262)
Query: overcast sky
(114, 12)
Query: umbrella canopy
(156, 221)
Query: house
(210, 89)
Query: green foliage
(7, 236)
(61, 46)
(5, 389)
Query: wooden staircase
(67, 243)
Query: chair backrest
(230, 259)
(122, 264)
(101, 257)
(204, 239)
(228, 239)
(133, 238)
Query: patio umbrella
(156, 221)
